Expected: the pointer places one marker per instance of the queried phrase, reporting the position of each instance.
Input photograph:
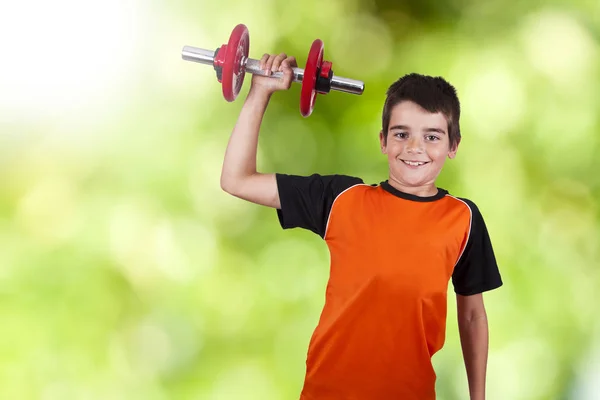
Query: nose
(414, 145)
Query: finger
(292, 62)
(263, 61)
(284, 64)
(269, 64)
(288, 76)
(277, 62)
(289, 62)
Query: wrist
(259, 93)
(477, 394)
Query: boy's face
(417, 146)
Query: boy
(394, 246)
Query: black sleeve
(476, 270)
(306, 200)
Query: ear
(453, 150)
(382, 142)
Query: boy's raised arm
(239, 176)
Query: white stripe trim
(333, 204)
(470, 227)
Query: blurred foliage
(126, 273)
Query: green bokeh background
(127, 273)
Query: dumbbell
(231, 63)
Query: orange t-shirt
(392, 257)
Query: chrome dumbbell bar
(252, 66)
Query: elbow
(231, 185)
(235, 185)
(470, 319)
(226, 185)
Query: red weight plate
(233, 73)
(308, 94)
(219, 61)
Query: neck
(423, 191)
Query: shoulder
(343, 182)
(334, 184)
(467, 204)
(306, 201)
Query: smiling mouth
(415, 163)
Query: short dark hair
(434, 94)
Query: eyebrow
(406, 128)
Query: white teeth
(414, 164)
